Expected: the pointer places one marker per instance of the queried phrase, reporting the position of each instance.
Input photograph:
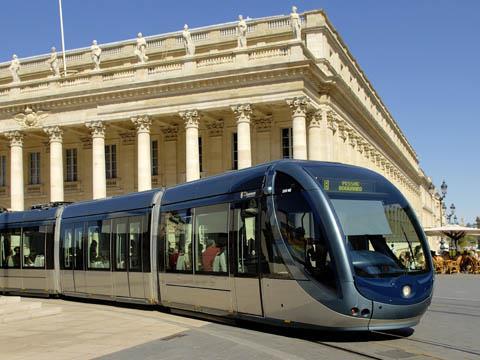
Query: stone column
(144, 163)
(298, 106)
(192, 168)
(315, 141)
(98, 159)
(242, 115)
(56, 162)
(16, 170)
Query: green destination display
(352, 186)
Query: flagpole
(63, 39)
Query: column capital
(298, 105)
(142, 123)
(332, 122)
(242, 112)
(314, 118)
(55, 133)
(15, 137)
(170, 133)
(97, 128)
(191, 118)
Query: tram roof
(127, 202)
(36, 215)
(235, 181)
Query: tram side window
(11, 248)
(120, 236)
(146, 243)
(98, 242)
(3, 253)
(67, 249)
(33, 248)
(78, 250)
(300, 231)
(178, 241)
(211, 238)
(49, 230)
(245, 218)
(135, 243)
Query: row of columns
(191, 118)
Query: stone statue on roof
(95, 52)
(296, 24)
(188, 42)
(53, 62)
(241, 32)
(141, 48)
(15, 68)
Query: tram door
(67, 259)
(78, 258)
(120, 275)
(246, 254)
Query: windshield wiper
(410, 247)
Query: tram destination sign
(350, 186)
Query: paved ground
(449, 330)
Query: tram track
(428, 342)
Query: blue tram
(297, 243)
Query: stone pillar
(242, 115)
(192, 168)
(98, 159)
(298, 106)
(16, 170)
(56, 162)
(315, 140)
(144, 163)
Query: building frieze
(150, 89)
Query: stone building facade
(165, 109)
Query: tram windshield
(380, 229)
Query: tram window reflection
(67, 248)
(48, 230)
(245, 229)
(98, 241)
(3, 252)
(120, 236)
(178, 237)
(211, 238)
(33, 248)
(78, 254)
(12, 248)
(135, 245)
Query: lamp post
(452, 216)
(443, 210)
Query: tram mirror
(362, 217)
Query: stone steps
(14, 308)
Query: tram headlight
(406, 291)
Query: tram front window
(381, 237)
(300, 232)
(381, 232)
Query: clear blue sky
(422, 56)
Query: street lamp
(452, 213)
(443, 210)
